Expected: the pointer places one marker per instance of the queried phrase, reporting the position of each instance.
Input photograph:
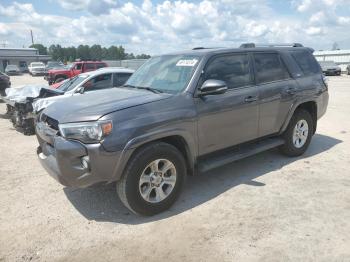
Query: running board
(237, 154)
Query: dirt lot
(265, 208)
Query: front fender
(141, 140)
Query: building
(340, 57)
(21, 57)
(130, 63)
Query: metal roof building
(20, 57)
(338, 56)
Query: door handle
(250, 99)
(291, 91)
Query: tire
(296, 148)
(129, 187)
(60, 79)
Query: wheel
(298, 134)
(60, 79)
(152, 179)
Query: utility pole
(31, 34)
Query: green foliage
(42, 49)
(94, 52)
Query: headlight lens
(86, 132)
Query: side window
(269, 68)
(78, 66)
(99, 82)
(233, 69)
(89, 67)
(306, 62)
(119, 79)
(100, 66)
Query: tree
(42, 49)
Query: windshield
(167, 73)
(37, 64)
(11, 67)
(72, 83)
(327, 63)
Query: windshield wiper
(154, 90)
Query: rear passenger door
(277, 91)
(231, 118)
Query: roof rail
(253, 45)
(198, 48)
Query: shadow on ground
(101, 203)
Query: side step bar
(240, 153)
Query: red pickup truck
(58, 75)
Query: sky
(155, 27)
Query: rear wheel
(152, 179)
(298, 134)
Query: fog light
(85, 161)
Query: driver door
(228, 119)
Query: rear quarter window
(269, 68)
(100, 65)
(306, 61)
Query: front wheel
(298, 134)
(153, 179)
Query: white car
(103, 78)
(36, 68)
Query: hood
(93, 105)
(326, 67)
(58, 71)
(42, 103)
(22, 93)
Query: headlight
(86, 132)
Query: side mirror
(212, 87)
(80, 90)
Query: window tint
(306, 62)
(120, 79)
(89, 66)
(78, 66)
(269, 67)
(100, 66)
(233, 69)
(99, 82)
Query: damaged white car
(25, 103)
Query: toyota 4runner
(184, 113)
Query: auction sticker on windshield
(188, 62)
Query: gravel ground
(264, 208)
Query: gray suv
(182, 114)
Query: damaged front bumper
(73, 163)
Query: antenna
(31, 34)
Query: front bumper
(332, 72)
(63, 159)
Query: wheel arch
(309, 106)
(179, 141)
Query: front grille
(52, 123)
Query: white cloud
(150, 27)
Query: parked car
(27, 104)
(4, 83)
(184, 113)
(348, 69)
(23, 67)
(53, 65)
(330, 68)
(12, 70)
(36, 68)
(76, 68)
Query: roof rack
(201, 47)
(253, 45)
